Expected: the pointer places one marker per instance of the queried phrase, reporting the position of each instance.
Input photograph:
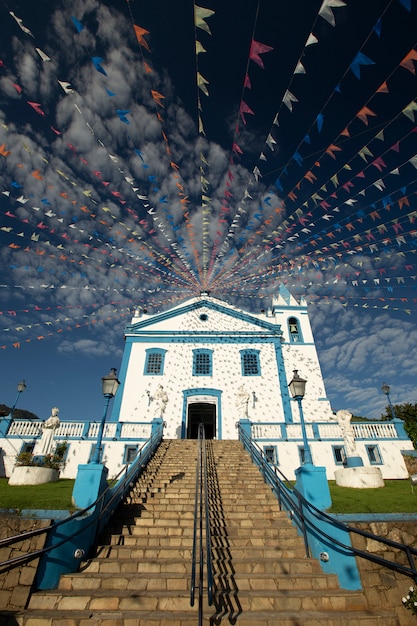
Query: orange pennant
(157, 97)
(140, 32)
(408, 61)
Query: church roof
(248, 321)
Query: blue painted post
(89, 484)
(65, 558)
(246, 427)
(5, 425)
(399, 427)
(308, 460)
(156, 424)
(354, 461)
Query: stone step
(154, 505)
(218, 543)
(181, 582)
(230, 520)
(256, 553)
(136, 598)
(269, 566)
(141, 572)
(270, 535)
(74, 617)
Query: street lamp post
(20, 388)
(386, 390)
(297, 388)
(110, 385)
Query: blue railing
(70, 540)
(201, 522)
(318, 527)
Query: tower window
(294, 330)
(250, 363)
(154, 364)
(202, 362)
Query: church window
(374, 455)
(202, 362)
(250, 363)
(154, 364)
(271, 454)
(339, 455)
(294, 330)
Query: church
(206, 361)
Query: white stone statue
(343, 417)
(160, 400)
(242, 401)
(48, 430)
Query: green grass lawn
(51, 496)
(395, 497)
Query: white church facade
(207, 361)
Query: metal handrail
(291, 500)
(105, 504)
(201, 515)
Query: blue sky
(124, 184)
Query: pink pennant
(36, 107)
(256, 50)
(243, 110)
(247, 83)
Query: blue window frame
(271, 454)
(154, 364)
(339, 455)
(93, 449)
(374, 455)
(250, 363)
(202, 362)
(294, 330)
(301, 454)
(130, 453)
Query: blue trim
(117, 402)
(290, 343)
(282, 309)
(248, 352)
(209, 336)
(202, 391)
(283, 383)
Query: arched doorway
(204, 412)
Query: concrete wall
(15, 585)
(384, 587)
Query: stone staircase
(140, 574)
